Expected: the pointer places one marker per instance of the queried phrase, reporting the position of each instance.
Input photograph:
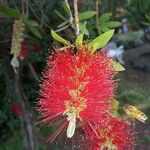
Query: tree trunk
(15, 92)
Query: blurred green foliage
(8, 122)
(12, 143)
(130, 93)
(15, 143)
(130, 37)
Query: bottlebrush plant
(77, 91)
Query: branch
(32, 70)
(4, 41)
(15, 91)
(27, 126)
(71, 17)
(75, 4)
(25, 7)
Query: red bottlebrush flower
(76, 90)
(122, 134)
(24, 50)
(118, 136)
(16, 109)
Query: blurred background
(25, 42)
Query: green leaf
(31, 22)
(113, 24)
(33, 27)
(115, 105)
(35, 31)
(100, 41)
(9, 12)
(66, 8)
(118, 67)
(99, 30)
(62, 28)
(79, 40)
(86, 15)
(105, 17)
(60, 15)
(103, 28)
(129, 2)
(146, 23)
(59, 38)
(63, 24)
(147, 17)
(83, 28)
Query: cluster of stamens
(76, 104)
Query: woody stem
(76, 15)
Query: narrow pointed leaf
(113, 24)
(147, 17)
(100, 41)
(59, 38)
(105, 17)
(86, 15)
(145, 23)
(79, 40)
(118, 67)
(60, 15)
(62, 28)
(63, 24)
(115, 106)
(103, 28)
(35, 31)
(66, 8)
(31, 22)
(9, 12)
(83, 28)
